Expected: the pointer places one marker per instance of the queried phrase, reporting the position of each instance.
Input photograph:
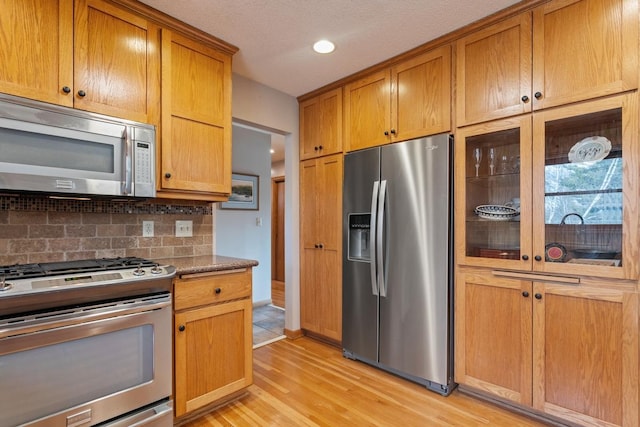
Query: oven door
(87, 365)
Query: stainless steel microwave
(59, 150)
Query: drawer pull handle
(218, 290)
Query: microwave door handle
(372, 236)
(126, 167)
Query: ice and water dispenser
(359, 235)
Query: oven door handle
(37, 323)
(146, 418)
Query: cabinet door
(321, 125)
(321, 246)
(367, 112)
(493, 335)
(493, 196)
(584, 49)
(585, 189)
(213, 353)
(493, 71)
(586, 354)
(196, 117)
(36, 45)
(421, 95)
(116, 62)
(330, 221)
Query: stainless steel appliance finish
(60, 150)
(397, 291)
(91, 343)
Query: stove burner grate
(25, 271)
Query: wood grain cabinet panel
(321, 125)
(37, 60)
(86, 54)
(195, 148)
(213, 339)
(570, 351)
(409, 100)
(585, 349)
(493, 335)
(561, 52)
(116, 62)
(321, 246)
(584, 49)
(493, 71)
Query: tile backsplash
(39, 229)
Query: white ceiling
(275, 37)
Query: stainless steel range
(86, 342)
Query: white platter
(591, 149)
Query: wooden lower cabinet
(566, 350)
(212, 338)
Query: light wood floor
(308, 383)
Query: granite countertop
(206, 263)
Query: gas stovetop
(55, 284)
(24, 271)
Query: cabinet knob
(181, 328)
(218, 290)
(167, 175)
(525, 99)
(393, 131)
(525, 294)
(386, 133)
(315, 148)
(320, 147)
(538, 258)
(538, 296)
(525, 257)
(316, 246)
(82, 93)
(538, 95)
(321, 246)
(66, 89)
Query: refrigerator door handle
(382, 286)
(372, 226)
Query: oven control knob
(156, 269)
(4, 286)
(138, 271)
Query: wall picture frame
(244, 192)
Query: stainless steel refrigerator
(397, 266)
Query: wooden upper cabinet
(421, 95)
(409, 100)
(87, 54)
(37, 60)
(584, 49)
(321, 125)
(195, 150)
(494, 71)
(367, 111)
(561, 52)
(116, 62)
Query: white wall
(266, 108)
(247, 233)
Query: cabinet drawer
(211, 288)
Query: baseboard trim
(293, 334)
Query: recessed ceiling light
(323, 46)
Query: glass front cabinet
(555, 191)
